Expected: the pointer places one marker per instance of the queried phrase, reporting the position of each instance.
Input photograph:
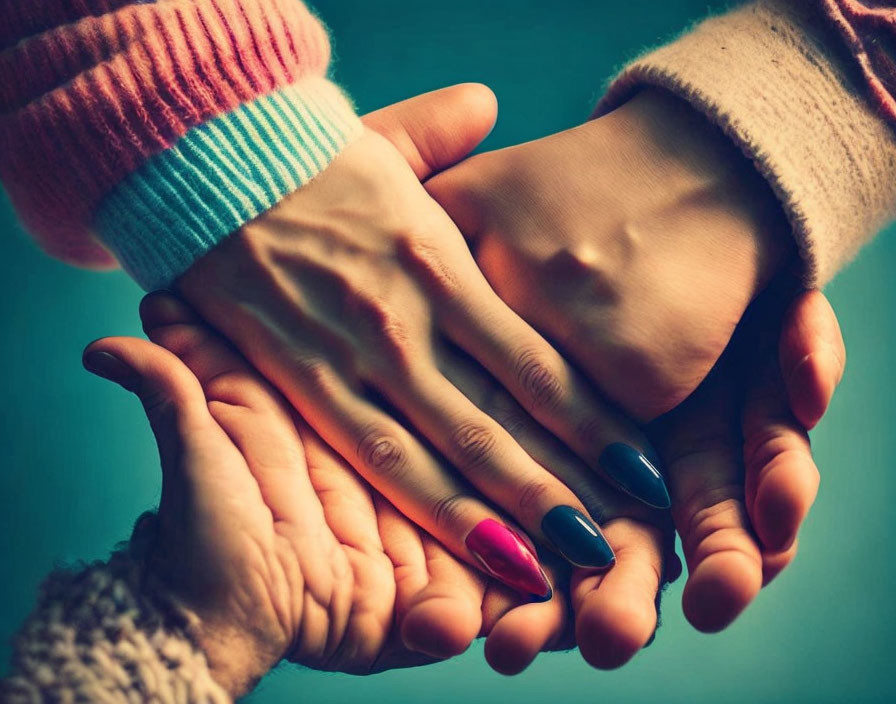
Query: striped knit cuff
(773, 77)
(220, 175)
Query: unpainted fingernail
(636, 474)
(577, 538)
(505, 555)
(112, 368)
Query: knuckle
(532, 496)
(449, 512)
(474, 444)
(589, 432)
(391, 340)
(426, 259)
(540, 380)
(383, 453)
(569, 268)
(314, 373)
(709, 511)
(761, 448)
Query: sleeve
(806, 90)
(144, 132)
(103, 633)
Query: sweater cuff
(775, 79)
(220, 175)
(103, 634)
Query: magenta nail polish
(505, 555)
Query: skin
(282, 551)
(637, 243)
(359, 300)
(613, 614)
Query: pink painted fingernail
(505, 555)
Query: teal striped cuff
(219, 176)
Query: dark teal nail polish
(577, 538)
(636, 474)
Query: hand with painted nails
(277, 546)
(358, 298)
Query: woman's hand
(356, 296)
(634, 242)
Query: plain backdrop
(78, 462)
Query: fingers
(435, 130)
(250, 411)
(812, 356)
(555, 394)
(702, 447)
(781, 477)
(491, 459)
(616, 612)
(438, 605)
(518, 633)
(170, 394)
(522, 632)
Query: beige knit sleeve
(99, 634)
(777, 78)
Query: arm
(638, 240)
(266, 546)
(805, 90)
(200, 143)
(148, 132)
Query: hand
(740, 468)
(355, 296)
(634, 242)
(275, 543)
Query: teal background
(78, 463)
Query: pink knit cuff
(91, 89)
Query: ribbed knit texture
(100, 634)
(219, 176)
(777, 77)
(92, 90)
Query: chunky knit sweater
(144, 132)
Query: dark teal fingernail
(577, 538)
(636, 474)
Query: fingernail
(504, 555)
(110, 367)
(577, 538)
(636, 474)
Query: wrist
(236, 658)
(699, 174)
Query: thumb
(171, 395)
(435, 130)
(812, 356)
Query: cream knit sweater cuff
(103, 634)
(775, 78)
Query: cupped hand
(276, 545)
(740, 467)
(636, 243)
(354, 296)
